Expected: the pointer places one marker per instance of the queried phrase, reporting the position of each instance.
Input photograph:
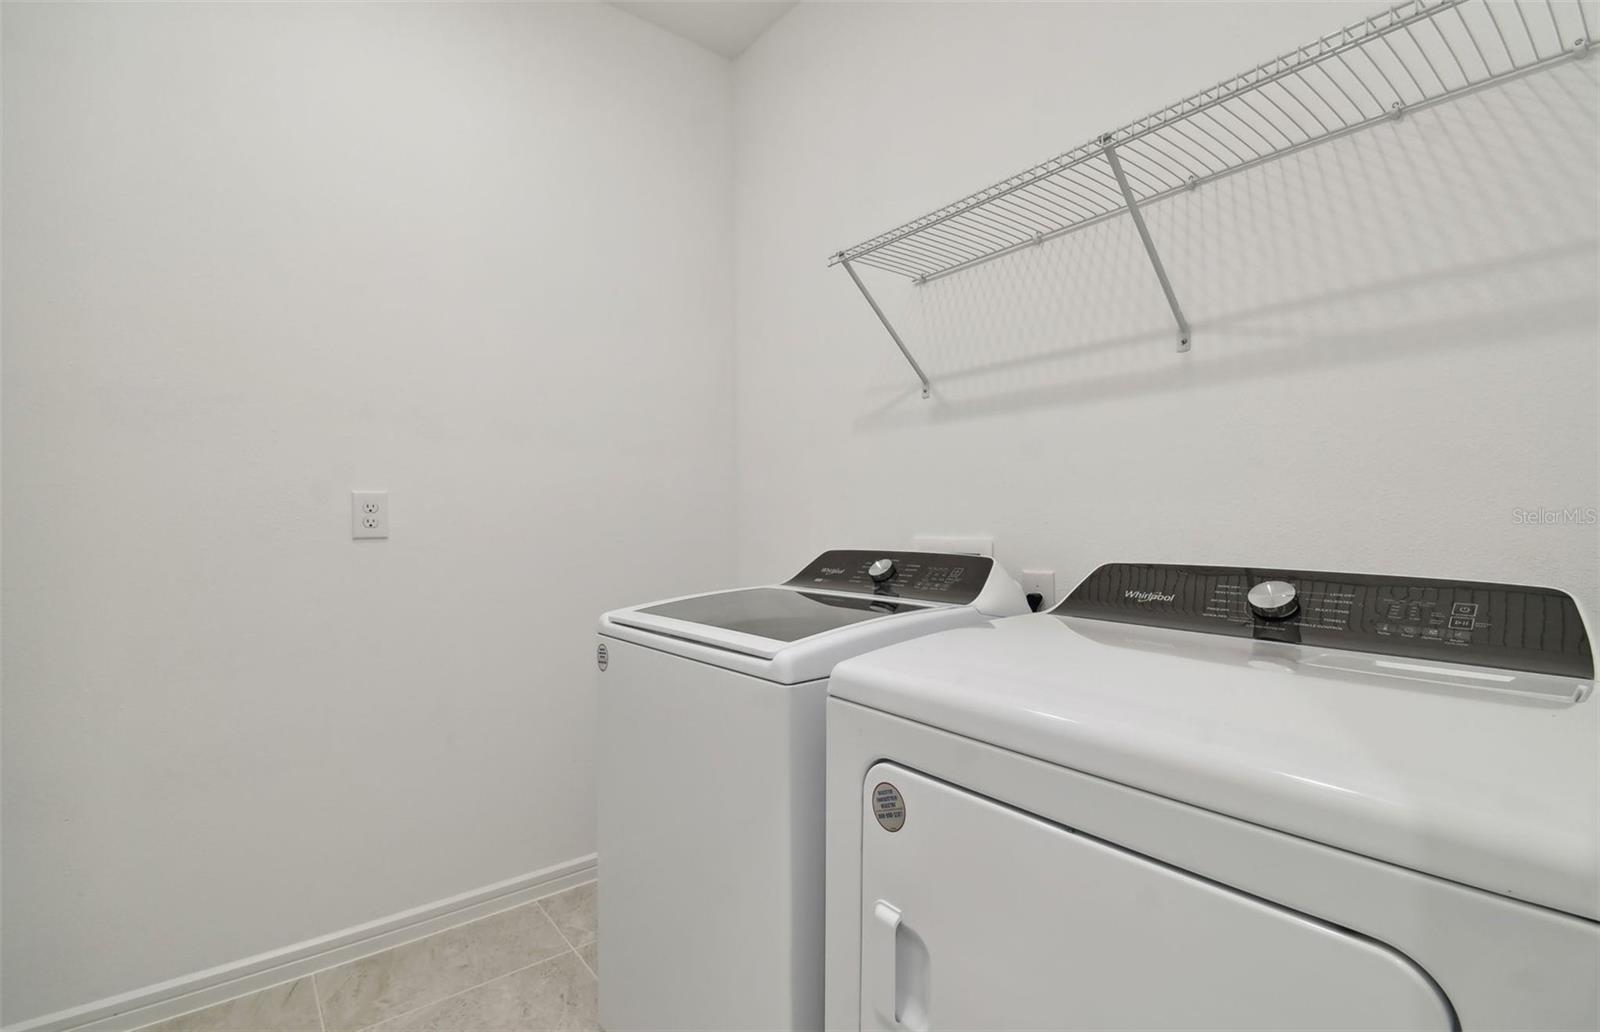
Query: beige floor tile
(372, 989)
(557, 994)
(591, 956)
(574, 912)
(290, 1007)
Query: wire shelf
(1410, 57)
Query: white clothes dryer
(1210, 797)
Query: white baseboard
(203, 988)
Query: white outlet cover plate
(369, 514)
(956, 544)
(1042, 581)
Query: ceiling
(726, 27)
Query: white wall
(1395, 334)
(256, 256)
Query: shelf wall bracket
(1110, 151)
(888, 325)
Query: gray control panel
(1492, 625)
(928, 576)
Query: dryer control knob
(1273, 600)
(881, 570)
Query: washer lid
(1483, 776)
(775, 616)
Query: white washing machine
(1205, 797)
(711, 780)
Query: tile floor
(533, 967)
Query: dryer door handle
(898, 970)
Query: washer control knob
(1273, 600)
(881, 570)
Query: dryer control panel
(1491, 625)
(928, 576)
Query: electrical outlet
(369, 514)
(1041, 581)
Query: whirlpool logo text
(1147, 596)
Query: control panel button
(881, 570)
(1461, 623)
(1464, 609)
(1273, 600)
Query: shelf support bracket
(1149, 245)
(887, 325)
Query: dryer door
(976, 915)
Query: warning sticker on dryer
(888, 806)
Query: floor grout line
(470, 988)
(552, 917)
(585, 963)
(565, 938)
(229, 1000)
(316, 995)
(555, 924)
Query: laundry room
(795, 515)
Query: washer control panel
(1491, 625)
(929, 576)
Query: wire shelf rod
(1113, 160)
(1476, 46)
(950, 243)
(1521, 14)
